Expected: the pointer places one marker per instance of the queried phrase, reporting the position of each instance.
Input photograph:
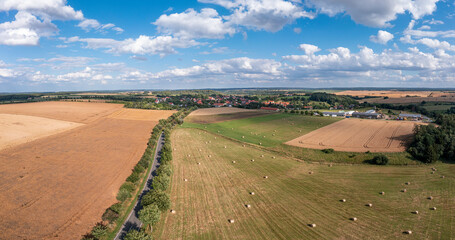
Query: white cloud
(237, 68)
(159, 45)
(433, 22)
(383, 37)
(191, 24)
(375, 13)
(92, 24)
(309, 49)
(421, 33)
(297, 30)
(47, 9)
(268, 15)
(26, 29)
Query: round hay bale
(231, 220)
(243, 145)
(266, 176)
(175, 149)
(263, 136)
(300, 130)
(434, 169)
(369, 205)
(200, 150)
(233, 161)
(172, 211)
(330, 165)
(260, 143)
(382, 193)
(416, 212)
(189, 155)
(273, 134)
(443, 177)
(198, 163)
(262, 155)
(274, 130)
(343, 200)
(313, 225)
(225, 146)
(215, 137)
(243, 136)
(404, 190)
(252, 160)
(430, 198)
(210, 156)
(273, 157)
(310, 172)
(408, 183)
(433, 208)
(408, 232)
(186, 180)
(353, 219)
(248, 206)
(252, 193)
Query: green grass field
(291, 198)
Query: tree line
(156, 200)
(432, 143)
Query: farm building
(333, 114)
(366, 115)
(413, 117)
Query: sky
(82, 45)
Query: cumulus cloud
(268, 15)
(382, 37)
(191, 24)
(26, 29)
(159, 45)
(309, 49)
(47, 9)
(375, 13)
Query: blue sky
(57, 45)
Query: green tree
(157, 197)
(150, 215)
(134, 234)
(123, 194)
(380, 160)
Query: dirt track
(57, 187)
(357, 135)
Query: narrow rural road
(133, 222)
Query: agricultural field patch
(296, 195)
(204, 119)
(269, 130)
(80, 112)
(221, 110)
(58, 186)
(359, 135)
(142, 115)
(18, 129)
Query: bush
(380, 160)
(133, 178)
(138, 169)
(130, 187)
(116, 207)
(99, 230)
(134, 234)
(328, 150)
(157, 197)
(123, 194)
(161, 182)
(110, 216)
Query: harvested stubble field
(359, 135)
(285, 203)
(395, 94)
(214, 115)
(57, 187)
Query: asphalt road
(133, 222)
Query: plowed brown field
(357, 135)
(57, 187)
